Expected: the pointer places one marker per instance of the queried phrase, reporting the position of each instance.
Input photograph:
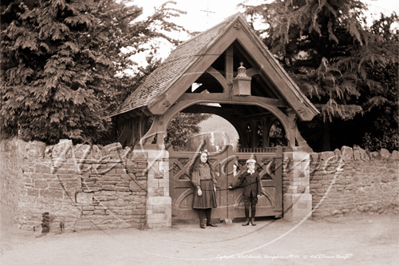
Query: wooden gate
(228, 165)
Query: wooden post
(254, 130)
(135, 138)
(268, 122)
(229, 67)
(265, 136)
(278, 207)
(291, 127)
(158, 130)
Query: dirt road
(371, 240)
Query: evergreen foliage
(60, 60)
(330, 53)
(382, 105)
(182, 128)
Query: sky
(198, 19)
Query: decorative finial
(242, 71)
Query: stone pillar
(159, 202)
(297, 201)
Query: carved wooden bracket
(166, 103)
(237, 25)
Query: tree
(60, 60)
(382, 105)
(327, 50)
(182, 127)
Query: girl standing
(204, 181)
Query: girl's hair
(197, 161)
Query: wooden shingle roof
(177, 63)
(164, 85)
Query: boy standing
(252, 189)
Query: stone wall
(95, 187)
(11, 177)
(81, 186)
(353, 181)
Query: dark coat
(249, 183)
(204, 178)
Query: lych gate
(229, 201)
(229, 72)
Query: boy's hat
(251, 159)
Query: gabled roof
(178, 65)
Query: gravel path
(362, 240)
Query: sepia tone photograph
(184, 132)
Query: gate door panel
(227, 165)
(181, 189)
(270, 202)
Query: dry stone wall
(79, 186)
(354, 181)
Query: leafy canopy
(60, 60)
(329, 51)
(325, 48)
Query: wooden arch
(161, 122)
(214, 58)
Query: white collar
(251, 172)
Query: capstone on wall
(79, 186)
(354, 181)
(94, 187)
